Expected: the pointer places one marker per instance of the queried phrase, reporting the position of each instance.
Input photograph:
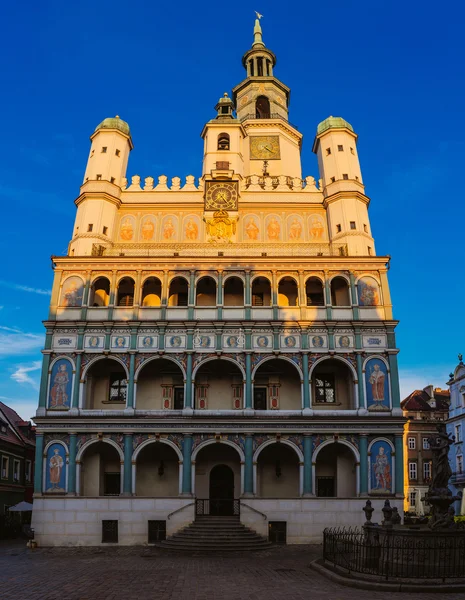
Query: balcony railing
(267, 116)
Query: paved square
(139, 573)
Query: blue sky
(394, 70)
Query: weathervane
(259, 16)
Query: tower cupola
(225, 107)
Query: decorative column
(72, 464)
(355, 309)
(55, 297)
(191, 295)
(306, 381)
(248, 467)
(188, 394)
(111, 304)
(39, 461)
(329, 310)
(132, 364)
(308, 450)
(85, 297)
(248, 293)
(187, 465)
(164, 295)
(399, 464)
(394, 374)
(219, 295)
(127, 481)
(363, 440)
(274, 294)
(248, 380)
(361, 390)
(44, 382)
(137, 296)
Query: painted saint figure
(377, 384)
(55, 468)
(382, 471)
(295, 230)
(192, 231)
(59, 397)
(252, 229)
(148, 229)
(317, 228)
(168, 229)
(273, 229)
(127, 230)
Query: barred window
(325, 390)
(118, 388)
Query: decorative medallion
(221, 196)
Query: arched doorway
(221, 490)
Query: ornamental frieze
(56, 437)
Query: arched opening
(106, 385)
(221, 490)
(314, 292)
(234, 292)
(277, 386)
(340, 292)
(223, 141)
(151, 292)
(336, 472)
(157, 471)
(206, 292)
(219, 385)
(179, 292)
(262, 108)
(261, 292)
(160, 386)
(100, 292)
(224, 483)
(288, 292)
(126, 292)
(100, 471)
(332, 386)
(278, 472)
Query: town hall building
(220, 345)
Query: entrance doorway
(221, 490)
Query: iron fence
(206, 507)
(396, 554)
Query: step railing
(216, 507)
(179, 509)
(259, 512)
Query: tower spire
(257, 33)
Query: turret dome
(114, 123)
(333, 123)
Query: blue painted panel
(55, 469)
(61, 380)
(377, 385)
(381, 468)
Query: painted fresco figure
(252, 229)
(317, 229)
(382, 471)
(273, 229)
(192, 231)
(126, 231)
(58, 394)
(148, 229)
(368, 294)
(55, 468)
(377, 384)
(72, 295)
(168, 229)
(295, 230)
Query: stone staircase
(215, 534)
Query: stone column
(306, 381)
(248, 467)
(72, 464)
(394, 375)
(363, 440)
(39, 462)
(329, 310)
(248, 295)
(111, 304)
(355, 309)
(248, 381)
(127, 481)
(399, 465)
(188, 394)
(219, 295)
(274, 295)
(308, 443)
(187, 465)
(361, 390)
(137, 296)
(85, 297)
(132, 364)
(44, 382)
(191, 295)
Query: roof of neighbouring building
(114, 123)
(420, 400)
(14, 433)
(333, 123)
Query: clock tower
(262, 105)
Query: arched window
(223, 141)
(314, 292)
(262, 108)
(179, 292)
(151, 292)
(287, 292)
(234, 292)
(100, 292)
(340, 292)
(206, 292)
(261, 292)
(126, 292)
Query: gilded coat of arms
(221, 228)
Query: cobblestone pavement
(146, 573)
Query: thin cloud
(12, 329)
(25, 288)
(16, 342)
(21, 375)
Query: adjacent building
(223, 343)
(17, 449)
(423, 410)
(456, 428)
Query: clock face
(221, 196)
(264, 147)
